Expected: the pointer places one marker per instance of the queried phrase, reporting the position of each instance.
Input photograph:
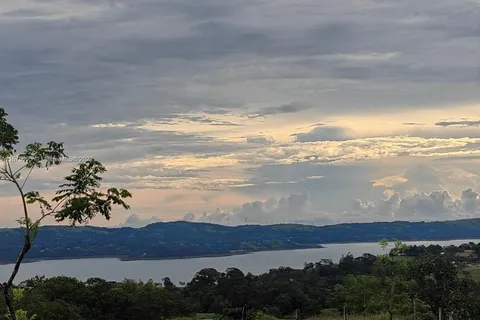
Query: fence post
(439, 313)
(297, 314)
(344, 312)
(414, 309)
(364, 307)
(243, 312)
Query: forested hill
(186, 239)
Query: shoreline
(126, 259)
(226, 254)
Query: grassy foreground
(377, 317)
(259, 316)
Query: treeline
(186, 239)
(365, 285)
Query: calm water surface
(185, 269)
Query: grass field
(207, 316)
(378, 317)
(466, 253)
(200, 316)
(474, 270)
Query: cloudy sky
(253, 110)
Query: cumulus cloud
(294, 207)
(134, 221)
(436, 175)
(324, 133)
(260, 140)
(435, 205)
(422, 174)
(432, 206)
(383, 209)
(390, 181)
(189, 217)
(470, 201)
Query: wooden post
(297, 314)
(440, 313)
(344, 312)
(364, 307)
(243, 312)
(414, 309)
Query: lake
(184, 269)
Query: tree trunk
(7, 287)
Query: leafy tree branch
(78, 200)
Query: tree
(360, 293)
(168, 284)
(392, 271)
(20, 314)
(78, 200)
(438, 281)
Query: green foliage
(238, 314)
(368, 287)
(8, 136)
(359, 317)
(331, 312)
(263, 316)
(18, 293)
(397, 288)
(22, 315)
(200, 316)
(36, 155)
(78, 200)
(96, 299)
(423, 311)
(361, 294)
(384, 243)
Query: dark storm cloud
(283, 109)
(119, 144)
(137, 59)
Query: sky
(252, 111)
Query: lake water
(184, 269)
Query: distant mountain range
(190, 239)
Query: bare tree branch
(26, 178)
